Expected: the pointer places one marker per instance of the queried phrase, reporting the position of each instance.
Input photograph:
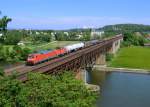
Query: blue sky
(64, 14)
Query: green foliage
(125, 44)
(25, 53)
(1, 53)
(73, 35)
(9, 92)
(1, 71)
(45, 91)
(123, 28)
(86, 38)
(12, 38)
(109, 56)
(41, 38)
(133, 39)
(112, 30)
(13, 54)
(4, 22)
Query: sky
(66, 14)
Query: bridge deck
(52, 64)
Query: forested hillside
(124, 28)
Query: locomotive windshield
(31, 56)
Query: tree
(25, 52)
(45, 91)
(4, 22)
(12, 37)
(133, 39)
(1, 53)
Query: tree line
(122, 28)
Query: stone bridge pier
(101, 59)
(81, 75)
(115, 46)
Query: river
(121, 89)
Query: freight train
(46, 55)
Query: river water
(121, 89)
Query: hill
(121, 28)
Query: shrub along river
(121, 89)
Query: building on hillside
(53, 38)
(95, 33)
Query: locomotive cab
(31, 59)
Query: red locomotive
(50, 54)
(42, 56)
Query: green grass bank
(132, 57)
(51, 45)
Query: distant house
(53, 36)
(148, 37)
(147, 44)
(37, 33)
(20, 43)
(66, 33)
(1, 35)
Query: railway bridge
(75, 61)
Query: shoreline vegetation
(124, 70)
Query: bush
(125, 44)
(21, 53)
(41, 38)
(109, 56)
(12, 38)
(45, 91)
(25, 53)
(1, 53)
(16, 53)
(1, 71)
(133, 39)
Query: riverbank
(94, 88)
(132, 57)
(126, 70)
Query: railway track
(23, 70)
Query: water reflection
(121, 89)
(96, 77)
